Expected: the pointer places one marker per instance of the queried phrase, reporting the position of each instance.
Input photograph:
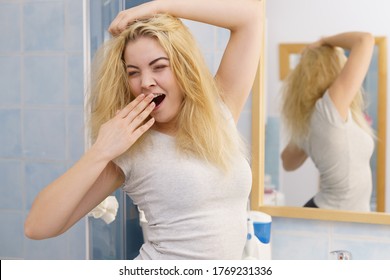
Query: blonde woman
(322, 109)
(164, 130)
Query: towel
(106, 210)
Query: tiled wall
(41, 116)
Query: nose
(147, 81)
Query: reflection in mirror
(375, 89)
(292, 23)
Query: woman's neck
(168, 129)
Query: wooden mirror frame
(258, 146)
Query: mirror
(375, 88)
(292, 24)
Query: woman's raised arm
(347, 84)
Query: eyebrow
(150, 63)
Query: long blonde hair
(203, 128)
(307, 82)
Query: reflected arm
(349, 81)
(293, 157)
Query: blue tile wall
(38, 174)
(74, 75)
(44, 132)
(74, 31)
(10, 141)
(41, 117)
(44, 79)
(10, 75)
(11, 197)
(11, 235)
(75, 120)
(10, 27)
(43, 26)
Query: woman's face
(149, 71)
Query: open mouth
(158, 99)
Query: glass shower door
(123, 237)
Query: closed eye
(132, 73)
(159, 67)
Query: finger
(128, 17)
(113, 28)
(142, 116)
(121, 26)
(121, 22)
(142, 129)
(129, 107)
(135, 111)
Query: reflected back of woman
(323, 112)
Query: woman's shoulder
(327, 111)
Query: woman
(322, 109)
(164, 129)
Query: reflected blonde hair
(316, 71)
(203, 129)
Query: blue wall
(41, 116)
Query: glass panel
(122, 238)
(106, 241)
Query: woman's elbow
(286, 163)
(31, 231)
(292, 162)
(368, 38)
(288, 166)
(35, 232)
